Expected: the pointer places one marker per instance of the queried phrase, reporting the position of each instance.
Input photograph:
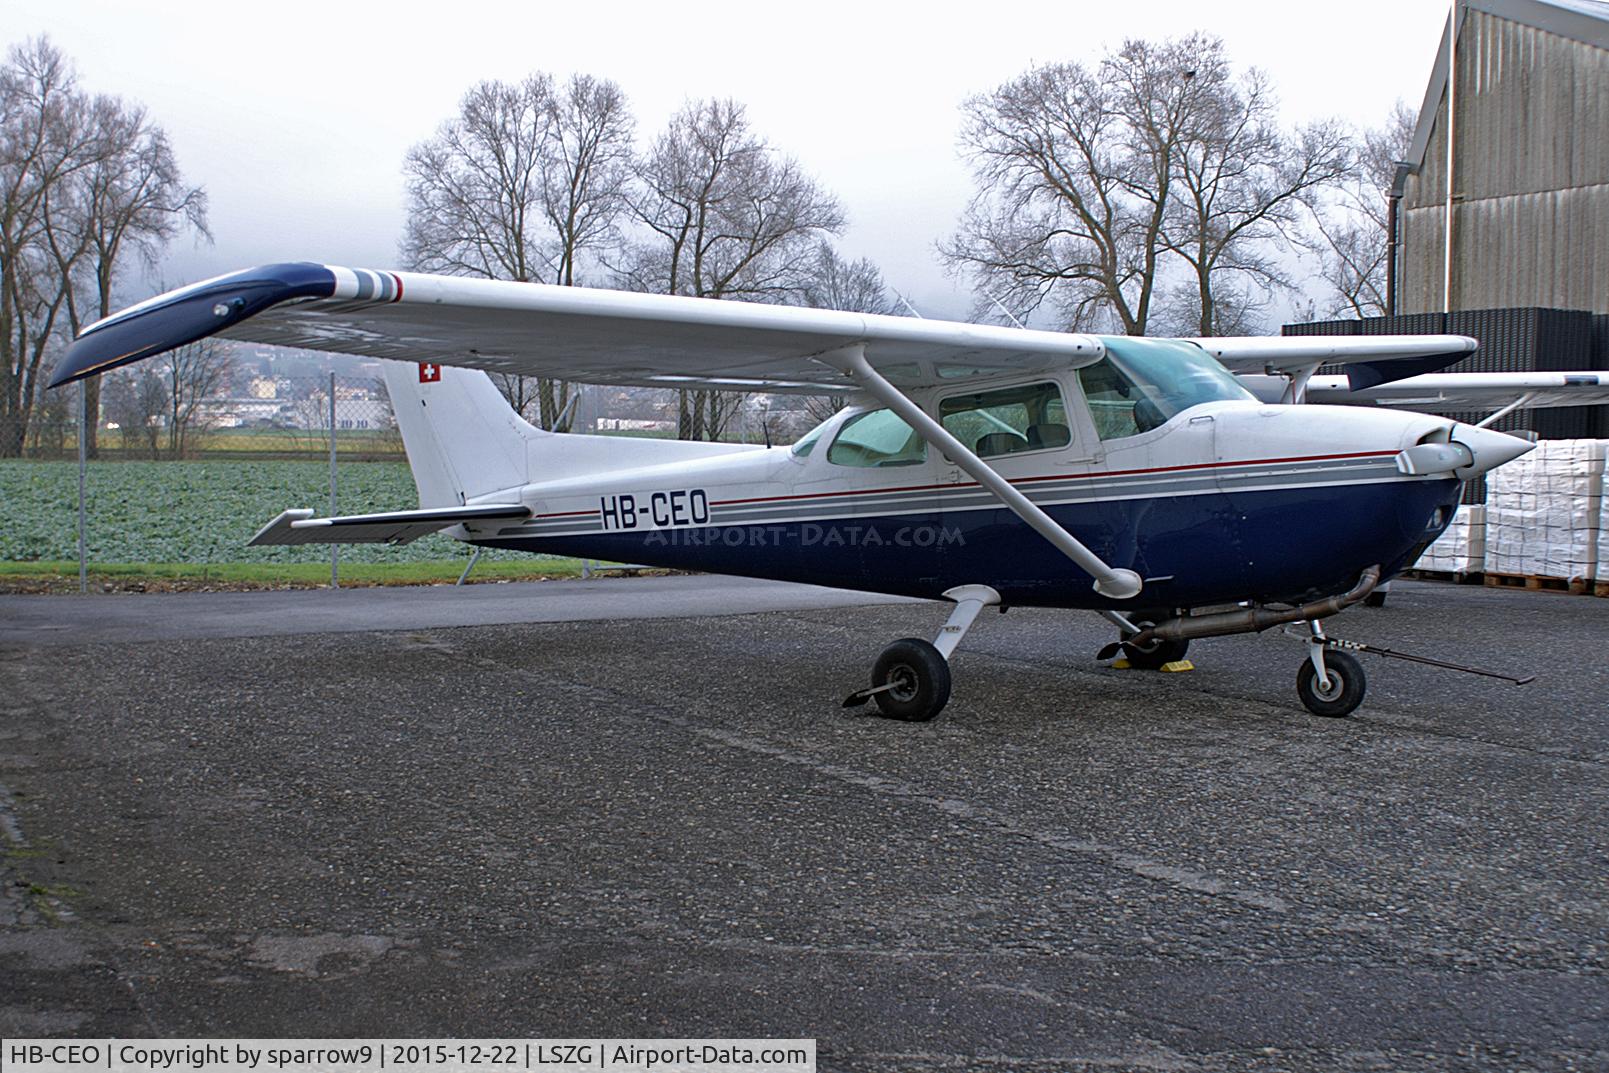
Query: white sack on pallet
(1461, 549)
(1602, 572)
(1544, 511)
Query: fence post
(335, 549)
(83, 466)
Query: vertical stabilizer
(463, 438)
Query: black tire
(1344, 691)
(1155, 653)
(923, 675)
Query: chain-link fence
(144, 418)
(184, 464)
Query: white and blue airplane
(986, 466)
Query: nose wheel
(1329, 682)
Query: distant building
(1530, 164)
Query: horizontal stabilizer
(392, 527)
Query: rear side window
(1028, 417)
(876, 438)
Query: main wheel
(920, 676)
(1153, 654)
(1340, 693)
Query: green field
(201, 512)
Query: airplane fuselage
(1226, 501)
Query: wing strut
(1117, 583)
(1518, 403)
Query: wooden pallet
(1600, 588)
(1535, 583)
(1457, 577)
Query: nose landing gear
(1330, 683)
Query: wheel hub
(1328, 689)
(903, 679)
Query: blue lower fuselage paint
(1285, 544)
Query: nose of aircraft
(1465, 450)
(1488, 448)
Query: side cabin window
(803, 448)
(1116, 405)
(876, 438)
(1141, 383)
(1027, 417)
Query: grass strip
(62, 576)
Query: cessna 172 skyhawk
(987, 466)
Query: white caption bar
(408, 1055)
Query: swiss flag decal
(429, 372)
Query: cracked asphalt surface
(662, 824)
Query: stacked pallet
(1461, 549)
(1602, 574)
(1544, 512)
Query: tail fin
(463, 438)
(465, 441)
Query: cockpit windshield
(1141, 383)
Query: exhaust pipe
(1255, 619)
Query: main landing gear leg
(1330, 683)
(911, 679)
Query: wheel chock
(1178, 666)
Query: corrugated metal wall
(1531, 177)
(1511, 341)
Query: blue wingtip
(188, 314)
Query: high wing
(1466, 392)
(615, 337)
(596, 336)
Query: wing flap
(393, 527)
(1464, 392)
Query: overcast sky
(296, 117)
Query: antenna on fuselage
(1001, 306)
(906, 302)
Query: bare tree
(1118, 192)
(725, 216)
(84, 183)
(1071, 194)
(1350, 222)
(856, 286)
(136, 399)
(834, 283)
(191, 375)
(526, 183)
(1239, 182)
(129, 202)
(54, 415)
(44, 141)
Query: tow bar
(1374, 650)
